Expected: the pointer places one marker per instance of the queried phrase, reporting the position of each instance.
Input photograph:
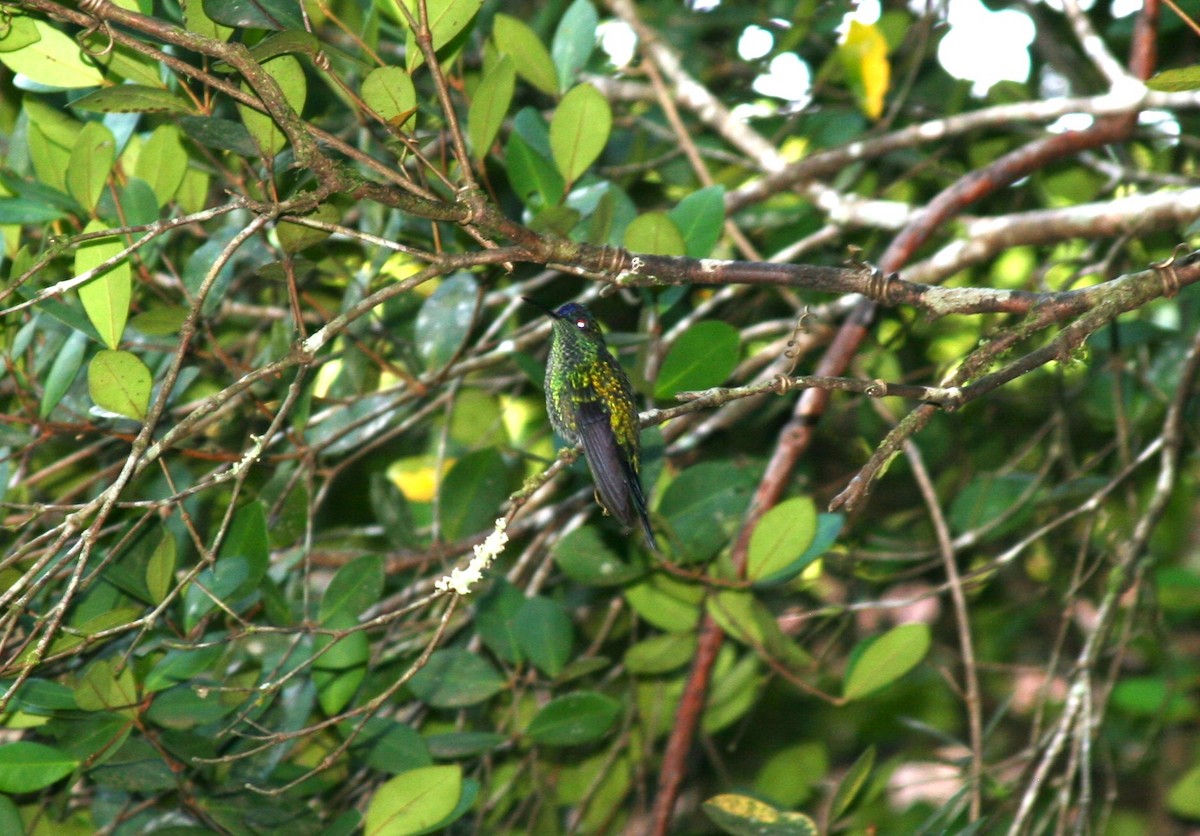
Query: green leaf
(19, 33)
(63, 371)
(1183, 798)
(574, 41)
(248, 540)
(92, 159)
(703, 356)
(585, 558)
(703, 506)
(106, 297)
(741, 815)
(294, 237)
(828, 528)
(219, 134)
(574, 719)
(455, 679)
(544, 634)
(989, 496)
(666, 603)
(389, 91)
(181, 665)
(661, 654)
(851, 784)
(119, 382)
(1176, 79)
(133, 98)
(490, 105)
(54, 59)
(162, 162)
(217, 583)
(23, 210)
(882, 660)
(414, 801)
(654, 233)
(700, 218)
(26, 766)
(445, 319)
(473, 492)
(103, 688)
(254, 14)
(495, 613)
(447, 18)
(579, 130)
(532, 61)
(354, 588)
(535, 180)
(783, 534)
(388, 746)
(464, 744)
(289, 74)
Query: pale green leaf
(119, 382)
(515, 38)
(106, 297)
(579, 130)
(490, 105)
(92, 159)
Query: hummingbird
(590, 401)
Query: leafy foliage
(267, 379)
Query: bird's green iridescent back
(581, 370)
(591, 403)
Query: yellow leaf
(864, 56)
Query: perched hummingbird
(590, 400)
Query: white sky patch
(618, 40)
(985, 47)
(754, 43)
(788, 78)
(1124, 8)
(748, 111)
(703, 5)
(1071, 122)
(1164, 123)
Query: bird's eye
(581, 323)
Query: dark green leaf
(473, 493)
(703, 356)
(255, 14)
(577, 718)
(584, 557)
(354, 588)
(26, 766)
(544, 634)
(133, 98)
(700, 218)
(455, 679)
(445, 319)
(574, 41)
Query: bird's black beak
(540, 307)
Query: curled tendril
(1167, 273)
(783, 383)
(793, 348)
